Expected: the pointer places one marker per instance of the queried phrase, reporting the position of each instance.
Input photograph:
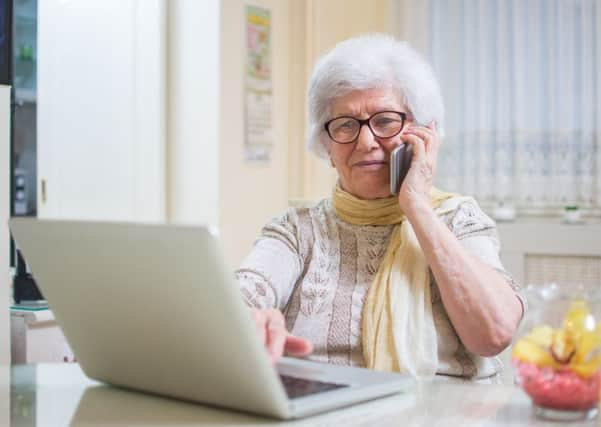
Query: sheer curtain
(522, 86)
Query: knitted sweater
(316, 269)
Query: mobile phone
(400, 161)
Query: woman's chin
(371, 185)
(372, 192)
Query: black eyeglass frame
(367, 121)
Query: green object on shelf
(29, 307)
(25, 52)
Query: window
(521, 81)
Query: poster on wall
(258, 96)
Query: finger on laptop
(298, 346)
(260, 320)
(276, 337)
(276, 334)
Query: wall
(208, 179)
(298, 71)
(193, 79)
(4, 215)
(251, 193)
(327, 23)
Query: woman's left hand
(425, 142)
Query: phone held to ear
(400, 161)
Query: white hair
(369, 62)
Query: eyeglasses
(384, 124)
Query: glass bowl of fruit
(557, 354)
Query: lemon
(541, 335)
(589, 342)
(563, 346)
(579, 319)
(529, 352)
(587, 369)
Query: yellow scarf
(397, 330)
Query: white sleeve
(484, 247)
(476, 231)
(268, 274)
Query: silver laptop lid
(129, 298)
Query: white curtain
(521, 81)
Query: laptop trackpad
(301, 387)
(303, 378)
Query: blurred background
(194, 112)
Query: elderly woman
(409, 283)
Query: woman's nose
(366, 140)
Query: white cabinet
(36, 338)
(101, 109)
(543, 250)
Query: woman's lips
(371, 164)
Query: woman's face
(363, 165)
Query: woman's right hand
(277, 340)
(425, 143)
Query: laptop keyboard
(299, 387)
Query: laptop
(154, 308)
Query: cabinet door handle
(43, 190)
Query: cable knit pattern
(316, 268)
